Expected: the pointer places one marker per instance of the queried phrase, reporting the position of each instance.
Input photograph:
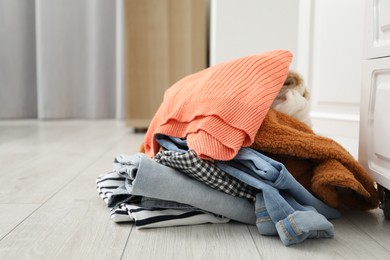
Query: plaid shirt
(202, 170)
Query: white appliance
(374, 135)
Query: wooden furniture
(374, 141)
(165, 40)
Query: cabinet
(374, 136)
(165, 40)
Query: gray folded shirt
(145, 177)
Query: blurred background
(92, 59)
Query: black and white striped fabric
(143, 217)
(190, 164)
(106, 185)
(157, 217)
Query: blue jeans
(172, 143)
(145, 177)
(283, 206)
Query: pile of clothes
(216, 151)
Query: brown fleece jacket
(320, 164)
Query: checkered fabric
(191, 165)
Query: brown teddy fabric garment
(320, 164)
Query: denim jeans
(283, 206)
(172, 143)
(145, 177)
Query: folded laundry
(150, 212)
(206, 173)
(323, 166)
(146, 178)
(219, 109)
(186, 161)
(283, 206)
(282, 199)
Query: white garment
(294, 105)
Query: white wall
(247, 27)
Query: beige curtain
(165, 41)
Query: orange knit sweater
(219, 109)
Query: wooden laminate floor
(49, 207)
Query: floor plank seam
(366, 233)
(18, 224)
(127, 241)
(63, 187)
(253, 240)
